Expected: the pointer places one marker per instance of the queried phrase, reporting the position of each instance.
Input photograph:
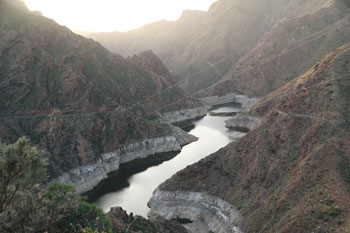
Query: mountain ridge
(231, 37)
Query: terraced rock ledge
(204, 212)
(183, 115)
(243, 121)
(87, 177)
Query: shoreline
(85, 178)
(202, 212)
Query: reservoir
(132, 185)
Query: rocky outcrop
(182, 137)
(243, 121)
(204, 212)
(183, 115)
(123, 222)
(87, 177)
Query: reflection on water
(131, 187)
(120, 179)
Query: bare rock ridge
(90, 109)
(290, 173)
(149, 61)
(250, 47)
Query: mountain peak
(191, 15)
(151, 62)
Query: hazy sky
(113, 15)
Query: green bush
(26, 206)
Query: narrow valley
(232, 116)
(133, 191)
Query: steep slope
(150, 62)
(73, 97)
(291, 173)
(289, 49)
(203, 47)
(171, 94)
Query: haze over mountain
(111, 15)
(231, 40)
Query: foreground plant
(26, 206)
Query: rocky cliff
(73, 97)
(255, 46)
(290, 173)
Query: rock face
(243, 121)
(291, 173)
(87, 177)
(206, 212)
(255, 46)
(78, 101)
(182, 137)
(123, 222)
(183, 115)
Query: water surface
(132, 185)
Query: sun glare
(113, 15)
